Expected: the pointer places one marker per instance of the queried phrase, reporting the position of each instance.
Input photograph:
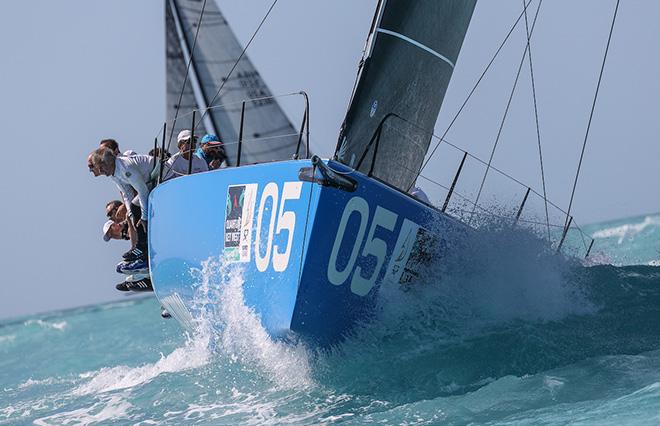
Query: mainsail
(268, 134)
(410, 58)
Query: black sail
(411, 55)
(267, 132)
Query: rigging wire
(469, 201)
(591, 114)
(536, 117)
(226, 79)
(185, 79)
(490, 213)
(506, 110)
(469, 96)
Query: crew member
(212, 150)
(114, 147)
(115, 230)
(178, 164)
(132, 174)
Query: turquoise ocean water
(501, 333)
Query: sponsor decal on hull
(238, 222)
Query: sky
(76, 71)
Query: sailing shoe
(136, 277)
(134, 254)
(122, 286)
(139, 266)
(141, 285)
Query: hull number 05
(286, 221)
(362, 281)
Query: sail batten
(405, 73)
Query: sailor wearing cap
(212, 150)
(178, 164)
(115, 231)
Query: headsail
(410, 59)
(267, 132)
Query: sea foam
(239, 334)
(628, 230)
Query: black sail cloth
(414, 47)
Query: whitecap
(43, 382)
(193, 355)
(60, 325)
(113, 408)
(627, 230)
(7, 338)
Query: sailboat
(265, 128)
(315, 239)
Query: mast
(411, 54)
(367, 48)
(202, 102)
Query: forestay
(267, 132)
(410, 58)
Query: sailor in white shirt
(132, 174)
(177, 165)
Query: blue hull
(313, 256)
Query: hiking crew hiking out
(135, 175)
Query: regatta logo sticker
(238, 222)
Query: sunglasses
(187, 142)
(111, 212)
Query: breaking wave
(628, 230)
(58, 325)
(239, 333)
(500, 305)
(629, 241)
(111, 408)
(193, 354)
(227, 332)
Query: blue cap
(210, 138)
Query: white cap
(183, 135)
(106, 229)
